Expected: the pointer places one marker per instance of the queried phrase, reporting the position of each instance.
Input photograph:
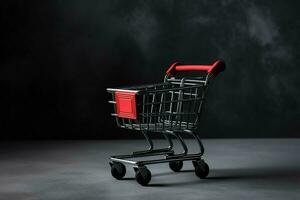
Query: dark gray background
(58, 57)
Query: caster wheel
(201, 168)
(118, 170)
(142, 175)
(176, 166)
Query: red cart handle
(217, 67)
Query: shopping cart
(170, 108)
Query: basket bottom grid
(160, 126)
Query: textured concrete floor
(240, 169)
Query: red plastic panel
(126, 104)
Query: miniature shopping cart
(169, 108)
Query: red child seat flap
(126, 104)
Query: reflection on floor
(240, 169)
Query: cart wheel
(201, 168)
(176, 166)
(142, 175)
(118, 170)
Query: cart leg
(151, 149)
(200, 143)
(196, 136)
(167, 137)
(201, 167)
(150, 143)
(185, 149)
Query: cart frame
(155, 119)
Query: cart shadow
(171, 173)
(265, 174)
(128, 178)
